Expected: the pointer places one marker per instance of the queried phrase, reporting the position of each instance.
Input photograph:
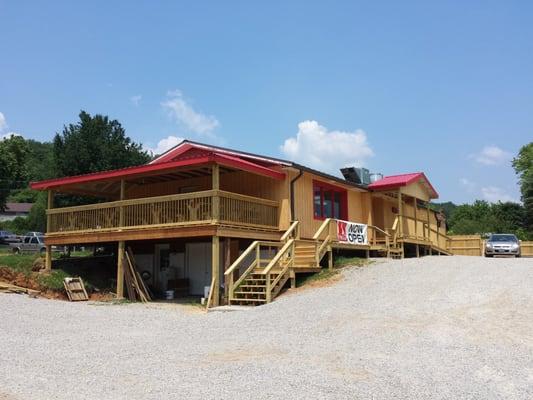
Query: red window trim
(331, 188)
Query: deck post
(215, 270)
(122, 197)
(48, 259)
(416, 216)
(417, 250)
(50, 205)
(228, 281)
(48, 254)
(429, 220)
(400, 214)
(215, 177)
(120, 269)
(330, 259)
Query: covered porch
(198, 197)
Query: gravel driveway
(435, 327)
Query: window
(329, 201)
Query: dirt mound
(28, 281)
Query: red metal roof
(396, 181)
(201, 157)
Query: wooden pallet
(75, 289)
(9, 288)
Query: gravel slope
(429, 328)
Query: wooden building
(204, 219)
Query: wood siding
(359, 204)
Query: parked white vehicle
(502, 244)
(30, 244)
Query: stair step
(248, 300)
(252, 286)
(245, 293)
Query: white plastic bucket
(169, 294)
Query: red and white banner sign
(352, 232)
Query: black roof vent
(361, 176)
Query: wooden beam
(400, 214)
(227, 264)
(48, 248)
(216, 186)
(120, 269)
(50, 205)
(416, 217)
(215, 270)
(428, 221)
(122, 197)
(48, 258)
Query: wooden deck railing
(206, 207)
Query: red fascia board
(147, 168)
(115, 174)
(236, 162)
(173, 154)
(399, 183)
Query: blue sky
(440, 87)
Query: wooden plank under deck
(161, 233)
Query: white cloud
(325, 150)
(494, 194)
(164, 145)
(136, 100)
(197, 122)
(3, 123)
(9, 134)
(491, 155)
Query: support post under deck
(215, 270)
(120, 269)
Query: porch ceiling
(110, 189)
(105, 183)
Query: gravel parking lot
(435, 327)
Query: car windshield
(503, 238)
(41, 239)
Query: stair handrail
(377, 229)
(255, 246)
(241, 258)
(289, 245)
(322, 247)
(278, 256)
(325, 224)
(294, 230)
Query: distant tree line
(482, 217)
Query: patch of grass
(54, 280)
(323, 275)
(326, 274)
(18, 262)
(341, 262)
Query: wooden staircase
(305, 255)
(261, 276)
(253, 289)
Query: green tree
(94, 144)
(523, 165)
(13, 171)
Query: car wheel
(488, 255)
(16, 250)
(43, 251)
